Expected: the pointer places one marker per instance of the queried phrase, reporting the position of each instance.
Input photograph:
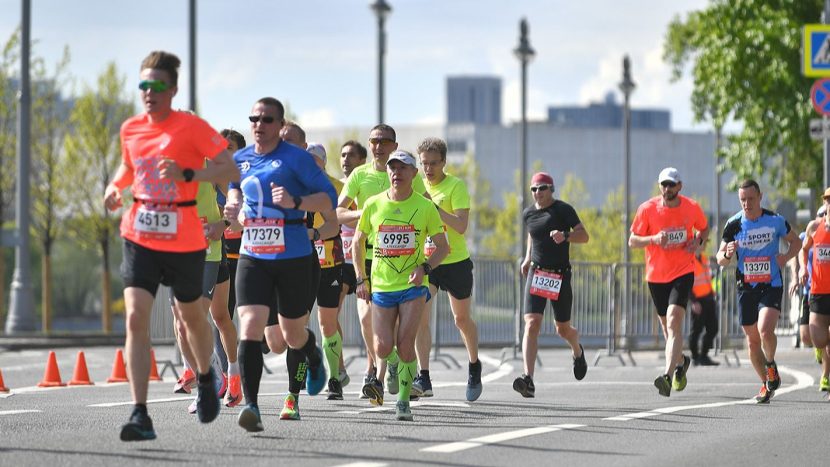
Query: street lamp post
(21, 302)
(524, 52)
(627, 87)
(382, 11)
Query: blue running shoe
(474, 386)
(250, 419)
(207, 402)
(139, 428)
(315, 378)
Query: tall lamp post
(627, 87)
(21, 301)
(382, 11)
(524, 52)
(192, 51)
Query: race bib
(156, 222)
(757, 269)
(395, 240)
(677, 237)
(822, 253)
(320, 246)
(546, 284)
(347, 246)
(263, 236)
(205, 229)
(429, 245)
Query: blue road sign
(816, 50)
(820, 96)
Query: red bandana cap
(541, 178)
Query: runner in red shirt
(670, 227)
(163, 151)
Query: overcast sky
(320, 56)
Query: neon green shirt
(451, 194)
(209, 213)
(397, 229)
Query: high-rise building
(474, 99)
(608, 114)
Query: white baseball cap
(669, 174)
(404, 157)
(318, 150)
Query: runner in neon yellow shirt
(365, 181)
(455, 274)
(397, 223)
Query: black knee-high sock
(309, 350)
(297, 367)
(250, 354)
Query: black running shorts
(455, 278)
(145, 268)
(561, 306)
(331, 284)
(261, 281)
(676, 292)
(752, 299)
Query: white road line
(803, 380)
(504, 369)
(389, 407)
(363, 464)
(151, 401)
(497, 438)
(15, 412)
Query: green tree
(8, 142)
(746, 64)
(49, 187)
(93, 151)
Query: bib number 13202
(546, 284)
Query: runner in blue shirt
(753, 236)
(279, 182)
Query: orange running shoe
(186, 382)
(233, 396)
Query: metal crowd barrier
(612, 309)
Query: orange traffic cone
(81, 375)
(119, 370)
(154, 371)
(52, 375)
(3, 387)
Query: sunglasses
(378, 141)
(540, 188)
(264, 118)
(153, 85)
(668, 184)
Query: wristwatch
(188, 174)
(427, 268)
(360, 281)
(297, 202)
(567, 235)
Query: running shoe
(818, 353)
(473, 381)
(524, 386)
(316, 375)
(773, 378)
(343, 376)
(366, 379)
(373, 390)
(679, 382)
(290, 408)
(185, 383)
(191, 409)
(402, 411)
(663, 384)
(580, 365)
(249, 418)
(824, 384)
(335, 390)
(392, 378)
(421, 386)
(139, 428)
(207, 401)
(221, 385)
(764, 395)
(234, 394)
(704, 360)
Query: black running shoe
(524, 386)
(335, 390)
(373, 390)
(139, 428)
(580, 365)
(474, 386)
(663, 385)
(773, 378)
(207, 402)
(764, 395)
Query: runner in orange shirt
(670, 227)
(163, 152)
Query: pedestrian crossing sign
(816, 51)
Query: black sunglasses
(264, 118)
(540, 188)
(668, 184)
(378, 141)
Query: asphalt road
(613, 417)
